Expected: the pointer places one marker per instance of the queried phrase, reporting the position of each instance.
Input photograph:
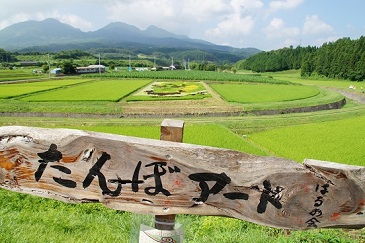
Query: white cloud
(320, 41)
(284, 4)
(313, 25)
(143, 13)
(168, 14)
(247, 4)
(277, 29)
(223, 19)
(75, 21)
(232, 27)
(201, 11)
(20, 17)
(239, 22)
(21, 10)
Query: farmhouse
(91, 69)
(28, 63)
(140, 69)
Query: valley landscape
(282, 113)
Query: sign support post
(171, 130)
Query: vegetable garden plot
(103, 90)
(17, 89)
(261, 93)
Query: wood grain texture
(171, 130)
(159, 177)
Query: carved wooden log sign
(159, 177)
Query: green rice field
(294, 77)
(214, 135)
(192, 75)
(18, 89)
(263, 93)
(341, 141)
(101, 90)
(20, 74)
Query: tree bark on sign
(163, 178)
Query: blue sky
(264, 24)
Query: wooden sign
(161, 177)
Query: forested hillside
(343, 59)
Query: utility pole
(129, 68)
(99, 65)
(49, 68)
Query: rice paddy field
(263, 93)
(10, 90)
(192, 75)
(332, 135)
(214, 135)
(20, 74)
(106, 96)
(101, 90)
(341, 141)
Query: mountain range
(52, 35)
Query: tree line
(68, 60)
(342, 59)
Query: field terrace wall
(334, 105)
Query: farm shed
(28, 63)
(56, 71)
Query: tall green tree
(68, 67)
(342, 59)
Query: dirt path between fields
(353, 95)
